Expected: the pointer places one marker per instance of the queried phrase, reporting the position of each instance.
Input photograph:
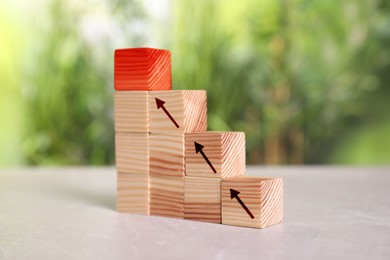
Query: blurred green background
(308, 81)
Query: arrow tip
(159, 103)
(198, 147)
(233, 193)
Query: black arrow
(198, 148)
(160, 104)
(234, 194)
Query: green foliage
(11, 46)
(69, 99)
(288, 73)
(306, 80)
(368, 145)
(70, 93)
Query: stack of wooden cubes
(168, 164)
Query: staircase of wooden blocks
(168, 164)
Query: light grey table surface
(69, 213)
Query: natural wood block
(142, 69)
(167, 154)
(177, 111)
(132, 152)
(167, 196)
(215, 154)
(252, 201)
(133, 193)
(131, 111)
(202, 199)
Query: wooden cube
(142, 69)
(133, 193)
(177, 111)
(132, 152)
(167, 154)
(167, 196)
(252, 201)
(131, 111)
(202, 199)
(215, 154)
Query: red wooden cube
(142, 69)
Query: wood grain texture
(142, 69)
(133, 193)
(166, 154)
(131, 111)
(167, 196)
(225, 151)
(132, 152)
(187, 107)
(202, 199)
(262, 196)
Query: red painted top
(142, 69)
